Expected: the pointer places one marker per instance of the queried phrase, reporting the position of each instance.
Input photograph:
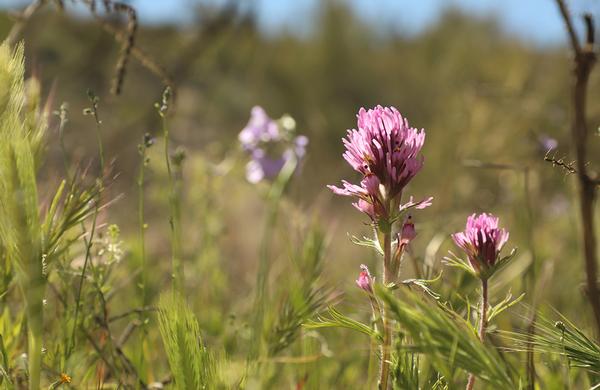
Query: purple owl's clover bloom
(263, 134)
(385, 150)
(365, 280)
(408, 232)
(482, 241)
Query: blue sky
(535, 21)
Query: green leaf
(503, 305)
(367, 242)
(423, 284)
(339, 320)
(455, 261)
(560, 337)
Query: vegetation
(152, 236)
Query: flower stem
(482, 324)
(387, 330)
(143, 295)
(34, 296)
(35, 357)
(174, 215)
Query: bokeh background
(489, 81)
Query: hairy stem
(482, 323)
(387, 330)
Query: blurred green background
(483, 95)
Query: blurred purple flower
(260, 128)
(270, 144)
(547, 143)
(385, 150)
(482, 241)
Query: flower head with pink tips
(482, 240)
(386, 151)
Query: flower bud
(365, 280)
(408, 232)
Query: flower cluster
(270, 144)
(482, 241)
(385, 150)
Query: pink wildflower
(385, 150)
(482, 240)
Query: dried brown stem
(584, 60)
(127, 40)
(128, 45)
(560, 162)
(17, 29)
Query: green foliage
(367, 242)
(405, 368)
(72, 204)
(303, 299)
(339, 320)
(454, 261)
(446, 339)
(20, 230)
(561, 337)
(19, 221)
(479, 94)
(501, 306)
(192, 365)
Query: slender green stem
(61, 139)
(88, 254)
(35, 356)
(89, 242)
(142, 224)
(387, 326)
(530, 277)
(175, 214)
(34, 296)
(142, 254)
(33, 289)
(482, 324)
(99, 140)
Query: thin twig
(133, 311)
(569, 25)
(140, 55)
(22, 19)
(584, 60)
(128, 45)
(560, 162)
